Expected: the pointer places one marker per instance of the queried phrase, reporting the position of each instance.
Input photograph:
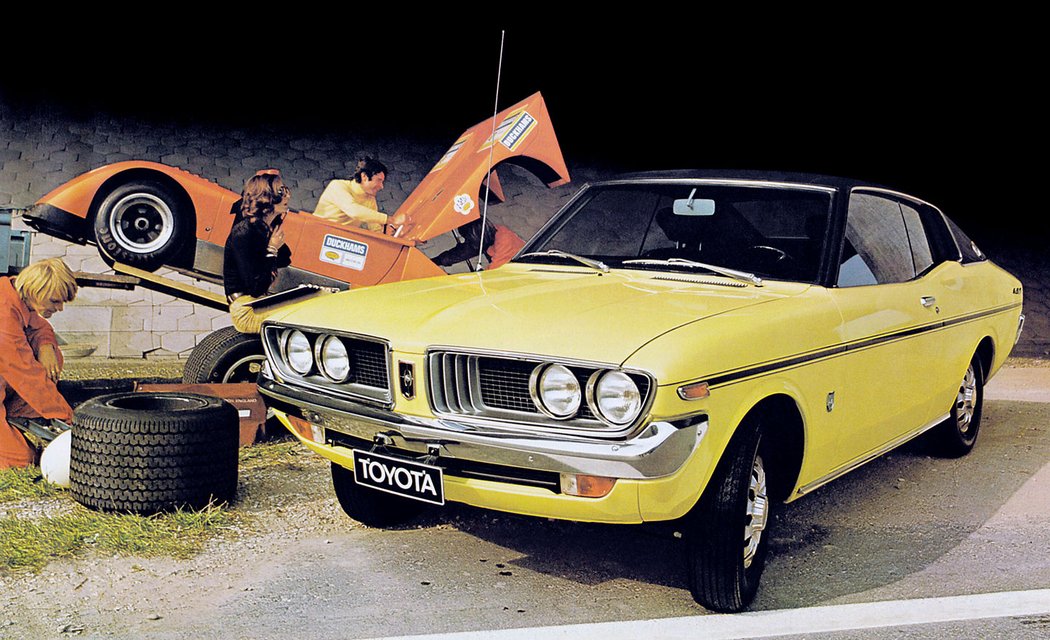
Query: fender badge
(831, 401)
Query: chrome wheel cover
(757, 511)
(248, 365)
(966, 401)
(141, 222)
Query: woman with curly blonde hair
(255, 248)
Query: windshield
(768, 230)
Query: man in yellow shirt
(353, 201)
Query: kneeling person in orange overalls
(30, 360)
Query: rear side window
(968, 248)
(876, 249)
(889, 240)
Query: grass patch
(28, 540)
(31, 544)
(25, 484)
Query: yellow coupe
(691, 347)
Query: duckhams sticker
(463, 204)
(513, 130)
(344, 252)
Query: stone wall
(42, 148)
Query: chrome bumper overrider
(660, 449)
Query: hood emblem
(406, 377)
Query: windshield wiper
(722, 271)
(594, 264)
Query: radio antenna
(488, 174)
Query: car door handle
(928, 301)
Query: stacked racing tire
(152, 452)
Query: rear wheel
(727, 532)
(957, 435)
(142, 224)
(368, 506)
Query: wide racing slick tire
(225, 356)
(957, 435)
(152, 452)
(370, 507)
(726, 533)
(143, 224)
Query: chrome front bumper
(660, 449)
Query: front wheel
(956, 436)
(142, 224)
(368, 506)
(727, 532)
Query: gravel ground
(287, 502)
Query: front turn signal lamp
(307, 429)
(586, 486)
(696, 391)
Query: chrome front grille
(498, 388)
(505, 384)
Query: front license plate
(400, 477)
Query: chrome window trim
(721, 182)
(895, 194)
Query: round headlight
(297, 352)
(556, 391)
(614, 397)
(333, 359)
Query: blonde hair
(45, 280)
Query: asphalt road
(908, 546)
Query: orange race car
(145, 214)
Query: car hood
(448, 197)
(533, 309)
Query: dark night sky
(948, 118)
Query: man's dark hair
(368, 167)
